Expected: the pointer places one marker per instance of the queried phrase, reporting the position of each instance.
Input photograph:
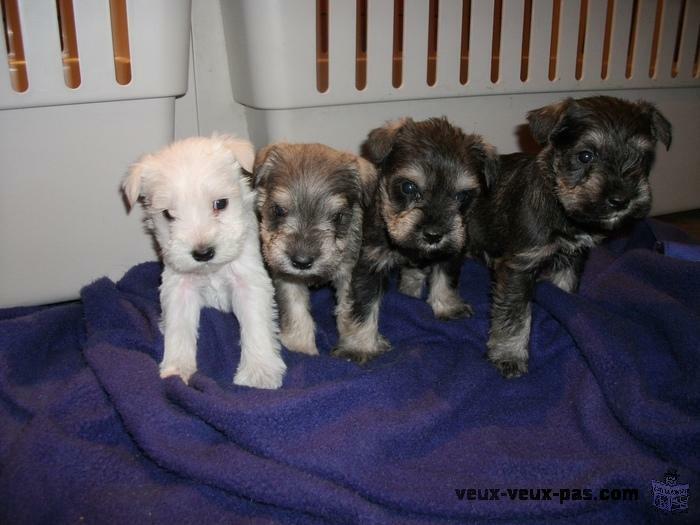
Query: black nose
(301, 261)
(617, 202)
(203, 255)
(432, 236)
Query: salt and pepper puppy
(310, 203)
(201, 212)
(430, 175)
(547, 211)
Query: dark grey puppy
(546, 211)
(430, 175)
(310, 206)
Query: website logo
(669, 495)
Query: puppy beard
(405, 229)
(640, 205)
(276, 247)
(178, 242)
(586, 202)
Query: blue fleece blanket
(428, 433)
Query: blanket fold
(89, 431)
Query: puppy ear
(660, 127)
(544, 121)
(368, 180)
(242, 149)
(264, 161)
(133, 182)
(491, 164)
(380, 141)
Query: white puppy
(201, 211)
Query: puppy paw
(297, 342)
(510, 368)
(455, 311)
(410, 290)
(350, 354)
(261, 374)
(361, 355)
(509, 354)
(411, 282)
(182, 370)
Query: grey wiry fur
(545, 212)
(310, 205)
(412, 281)
(430, 175)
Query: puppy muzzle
(301, 261)
(433, 236)
(205, 254)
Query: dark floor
(688, 221)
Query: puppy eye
(585, 156)
(463, 196)
(279, 211)
(409, 189)
(339, 217)
(220, 204)
(168, 216)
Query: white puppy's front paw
(261, 374)
(185, 371)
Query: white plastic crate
(278, 51)
(65, 145)
(330, 70)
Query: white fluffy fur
(185, 179)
